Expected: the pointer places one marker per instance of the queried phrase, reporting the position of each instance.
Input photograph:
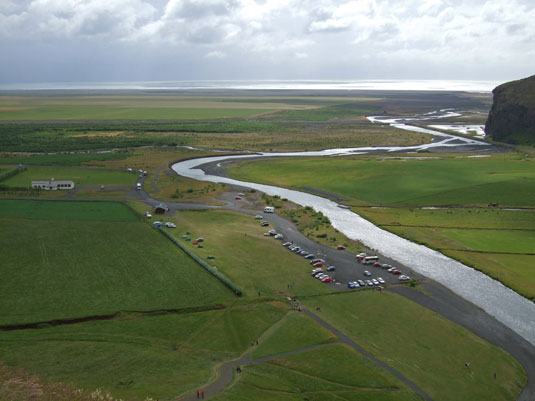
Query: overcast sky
(140, 40)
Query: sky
(165, 40)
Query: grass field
(161, 356)
(256, 263)
(332, 373)
(79, 176)
(72, 267)
(61, 159)
(507, 179)
(86, 263)
(295, 331)
(58, 210)
(433, 357)
(497, 241)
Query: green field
(80, 176)
(256, 263)
(61, 159)
(79, 267)
(177, 322)
(507, 179)
(161, 356)
(332, 373)
(391, 191)
(427, 348)
(295, 331)
(60, 210)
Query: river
(505, 305)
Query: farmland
(89, 276)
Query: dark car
(331, 268)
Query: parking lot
(348, 269)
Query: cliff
(512, 116)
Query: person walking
(198, 393)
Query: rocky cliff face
(512, 116)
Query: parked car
(319, 276)
(331, 268)
(241, 194)
(237, 198)
(404, 278)
(266, 234)
(170, 225)
(272, 232)
(375, 282)
(396, 272)
(259, 217)
(278, 236)
(200, 240)
(316, 261)
(367, 273)
(286, 243)
(381, 280)
(303, 253)
(386, 266)
(316, 271)
(340, 247)
(369, 283)
(361, 283)
(309, 256)
(264, 224)
(351, 284)
(297, 249)
(318, 264)
(327, 279)
(148, 215)
(360, 256)
(377, 264)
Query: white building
(52, 185)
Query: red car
(396, 272)
(340, 247)
(377, 264)
(327, 279)
(194, 242)
(318, 264)
(238, 198)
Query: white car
(403, 277)
(170, 225)
(375, 282)
(367, 273)
(381, 280)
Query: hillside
(512, 116)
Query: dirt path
(225, 372)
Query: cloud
(215, 55)
(360, 37)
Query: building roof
(162, 206)
(49, 182)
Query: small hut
(162, 208)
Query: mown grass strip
(237, 290)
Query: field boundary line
(237, 290)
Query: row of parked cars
(317, 263)
(374, 261)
